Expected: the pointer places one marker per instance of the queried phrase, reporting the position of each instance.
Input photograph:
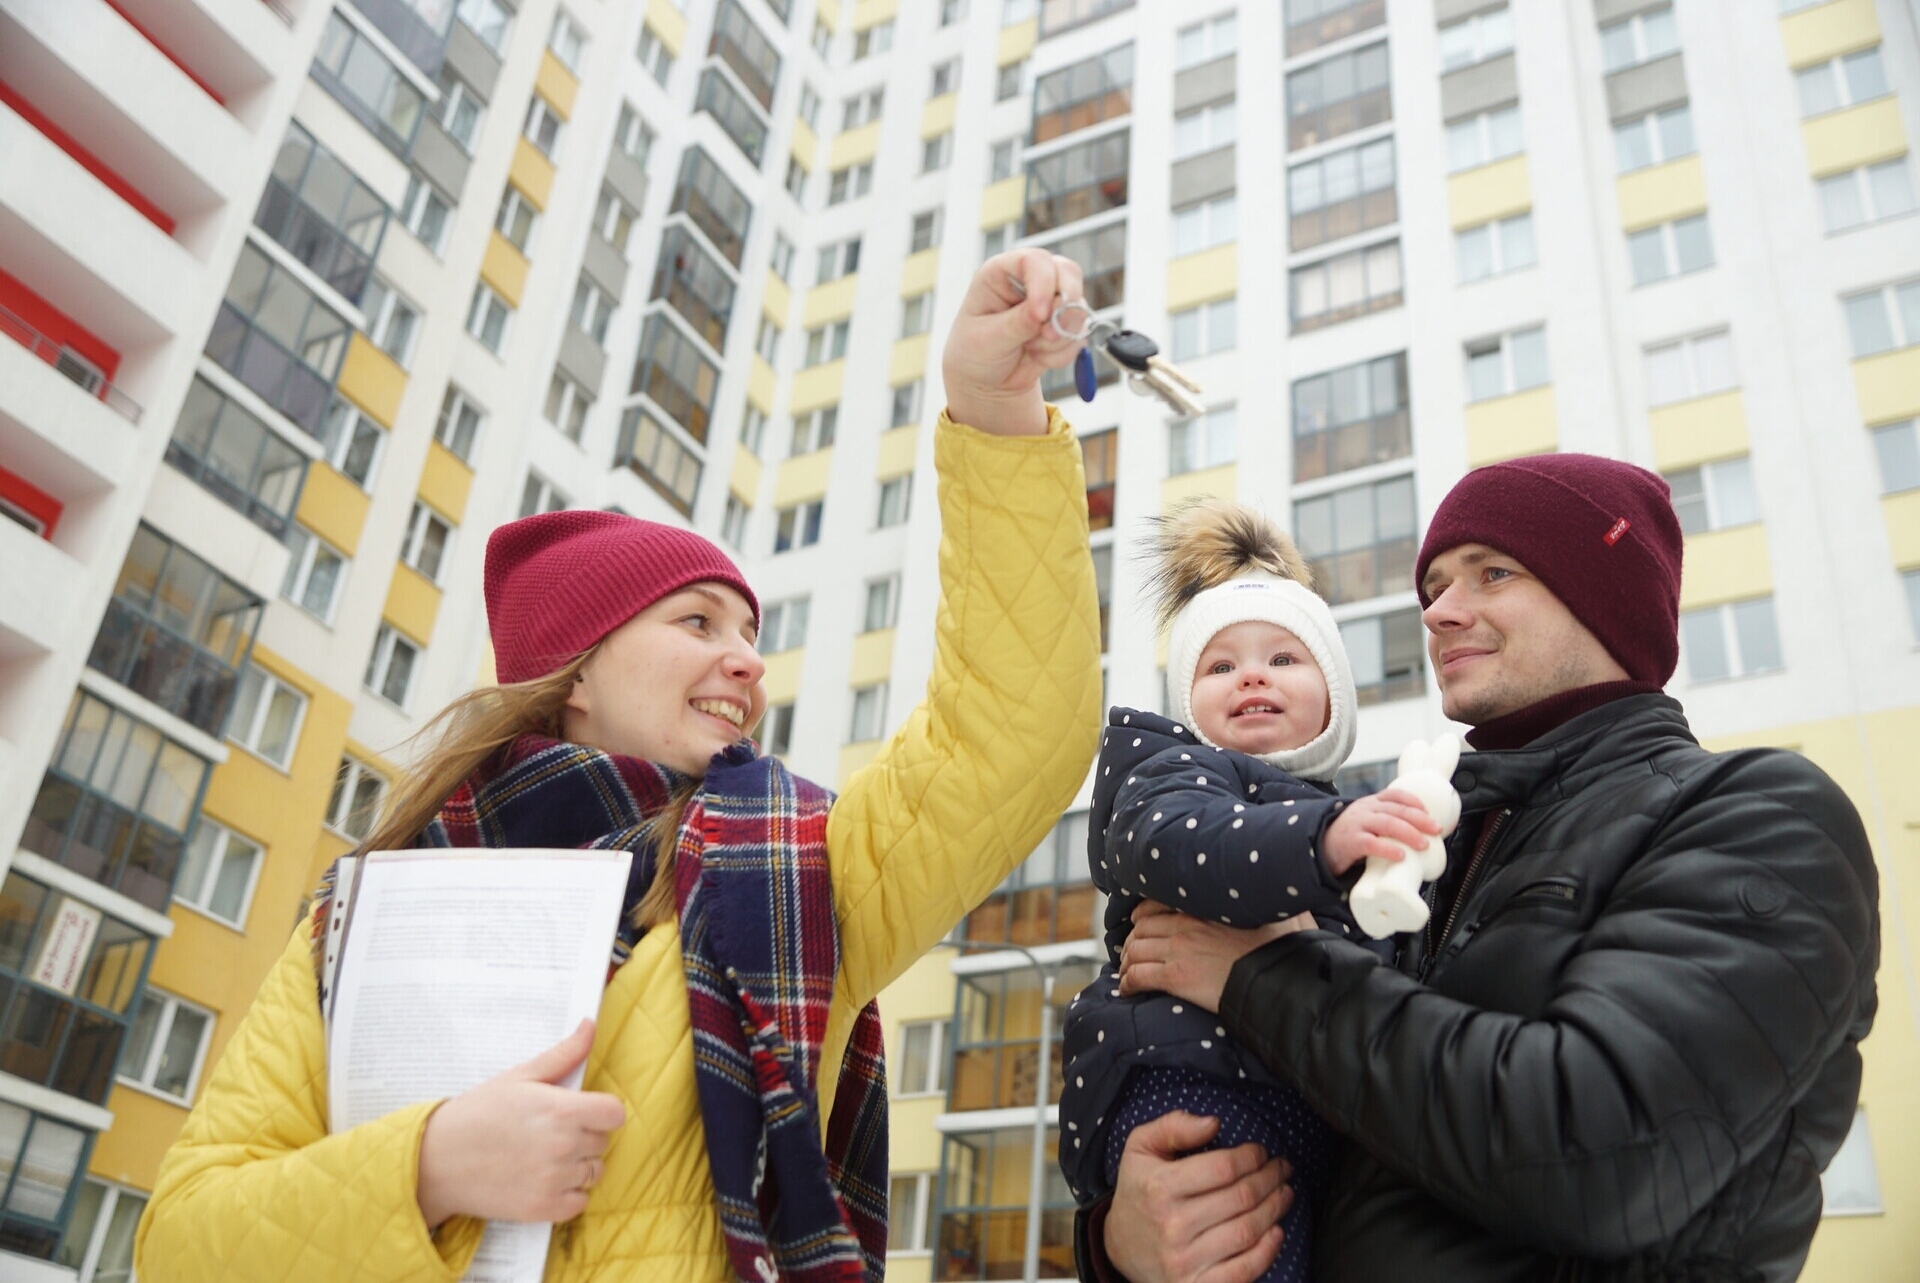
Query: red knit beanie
(1599, 533)
(560, 581)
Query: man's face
(1499, 640)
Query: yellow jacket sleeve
(1007, 730)
(255, 1188)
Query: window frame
(895, 506)
(342, 806)
(1200, 336)
(934, 1082)
(1208, 30)
(1836, 69)
(916, 314)
(1218, 124)
(1194, 444)
(247, 737)
(422, 196)
(1698, 382)
(1635, 25)
(783, 625)
(1218, 218)
(1711, 487)
(868, 712)
(414, 543)
(1487, 138)
(826, 343)
(1368, 302)
(1886, 297)
(1498, 233)
(1653, 127)
(297, 584)
(141, 1079)
(1504, 344)
(1739, 665)
(1867, 194)
(798, 525)
(455, 407)
(814, 429)
(200, 899)
(543, 126)
(1479, 51)
(388, 642)
(1668, 237)
(887, 589)
(488, 313)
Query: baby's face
(1257, 689)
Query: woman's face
(675, 684)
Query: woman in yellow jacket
(648, 1168)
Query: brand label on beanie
(1618, 529)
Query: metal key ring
(1084, 331)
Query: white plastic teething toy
(1387, 899)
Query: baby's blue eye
(1221, 666)
(1282, 660)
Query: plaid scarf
(761, 949)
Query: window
(814, 430)
(883, 604)
(1910, 581)
(218, 873)
(352, 442)
(1002, 159)
(936, 152)
(426, 213)
(1388, 655)
(1506, 364)
(613, 220)
(826, 343)
(1715, 496)
(906, 405)
(1351, 417)
(1100, 459)
(1204, 330)
(654, 56)
(952, 12)
(1337, 96)
(782, 257)
(673, 373)
(924, 232)
(424, 547)
(592, 309)
(659, 458)
(392, 322)
(321, 213)
(766, 342)
(776, 730)
(1850, 1186)
(390, 667)
(995, 241)
(166, 1045)
(1483, 139)
(1013, 12)
(838, 259)
(1197, 444)
(1083, 94)
(315, 572)
(796, 181)
(354, 69)
(822, 39)
(862, 108)
(753, 429)
(1689, 368)
(869, 714)
(487, 317)
(945, 78)
(1496, 248)
(101, 1232)
(1006, 81)
(1059, 15)
(694, 284)
(1360, 542)
(237, 458)
(488, 19)
(1879, 320)
(567, 41)
(1671, 249)
(876, 39)
(516, 219)
(1077, 182)
(1653, 139)
(1312, 23)
(1738, 639)
(1103, 591)
(1342, 193)
(543, 126)
(540, 495)
(1865, 195)
(1897, 447)
(733, 523)
(798, 526)
(922, 1059)
(783, 626)
(267, 713)
(810, 106)
(850, 183)
(1476, 39)
(916, 314)
(459, 423)
(1346, 286)
(1205, 41)
(358, 791)
(1641, 38)
(896, 497)
(1102, 255)
(1205, 224)
(1203, 129)
(277, 337)
(633, 135)
(1829, 86)
(459, 109)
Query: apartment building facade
(304, 298)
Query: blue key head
(1083, 377)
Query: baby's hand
(1378, 824)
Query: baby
(1224, 811)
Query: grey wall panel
(606, 266)
(441, 159)
(1472, 90)
(476, 64)
(1648, 87)
(627, 179)
(1203, 177)
(582, 359)
(1446, 12)
(1209, 82)
(1609, 11)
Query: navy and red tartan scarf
(761, 948)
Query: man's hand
(1170, 952)
(1204, 1218)
(1377, 825)
(1001, 342)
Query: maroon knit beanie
(1599, 533)
(560, 581)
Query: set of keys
(1148, 373)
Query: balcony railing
(103, 841)
(313, 240)
(258, 360)
(191, 683)
(70, 363)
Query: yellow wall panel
(919, 271)
(1888, 385)
(815, 387)
(504, 269)
(1491, 191)
(776, 301)
(1661, 193)
(1902, 512)
(830, 302)
(872, 658)
(761, 383)
(745, 481)
(1510, 426)
(333, 508)
(372, 380)
(828, 13)
(938, 115)
(445, 483)
(668, 23)
(1201, 278)
(783, 676)
(802, 478)
(896, 452)
(1828, 30)
(1016, 42)
(1725, 565)
(1003, 202)
(532, 173)
(556, 84)
(871, 13)
(852, 146)
(1863, 135)
(852, 758)
(413, 604)
(917, 1148)
(1693, 432)
(909, 360)
(144, 1126)
(1208, 483)
(806, 145)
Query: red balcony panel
(167, 53)
(91, 163)
(53, 328)
(28, 504)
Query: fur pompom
(1209, 542)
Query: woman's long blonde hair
(479, 726)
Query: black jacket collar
(1622, 733)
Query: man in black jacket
(1626, 1043)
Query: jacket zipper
(1485, 844)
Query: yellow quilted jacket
(255, 1189)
